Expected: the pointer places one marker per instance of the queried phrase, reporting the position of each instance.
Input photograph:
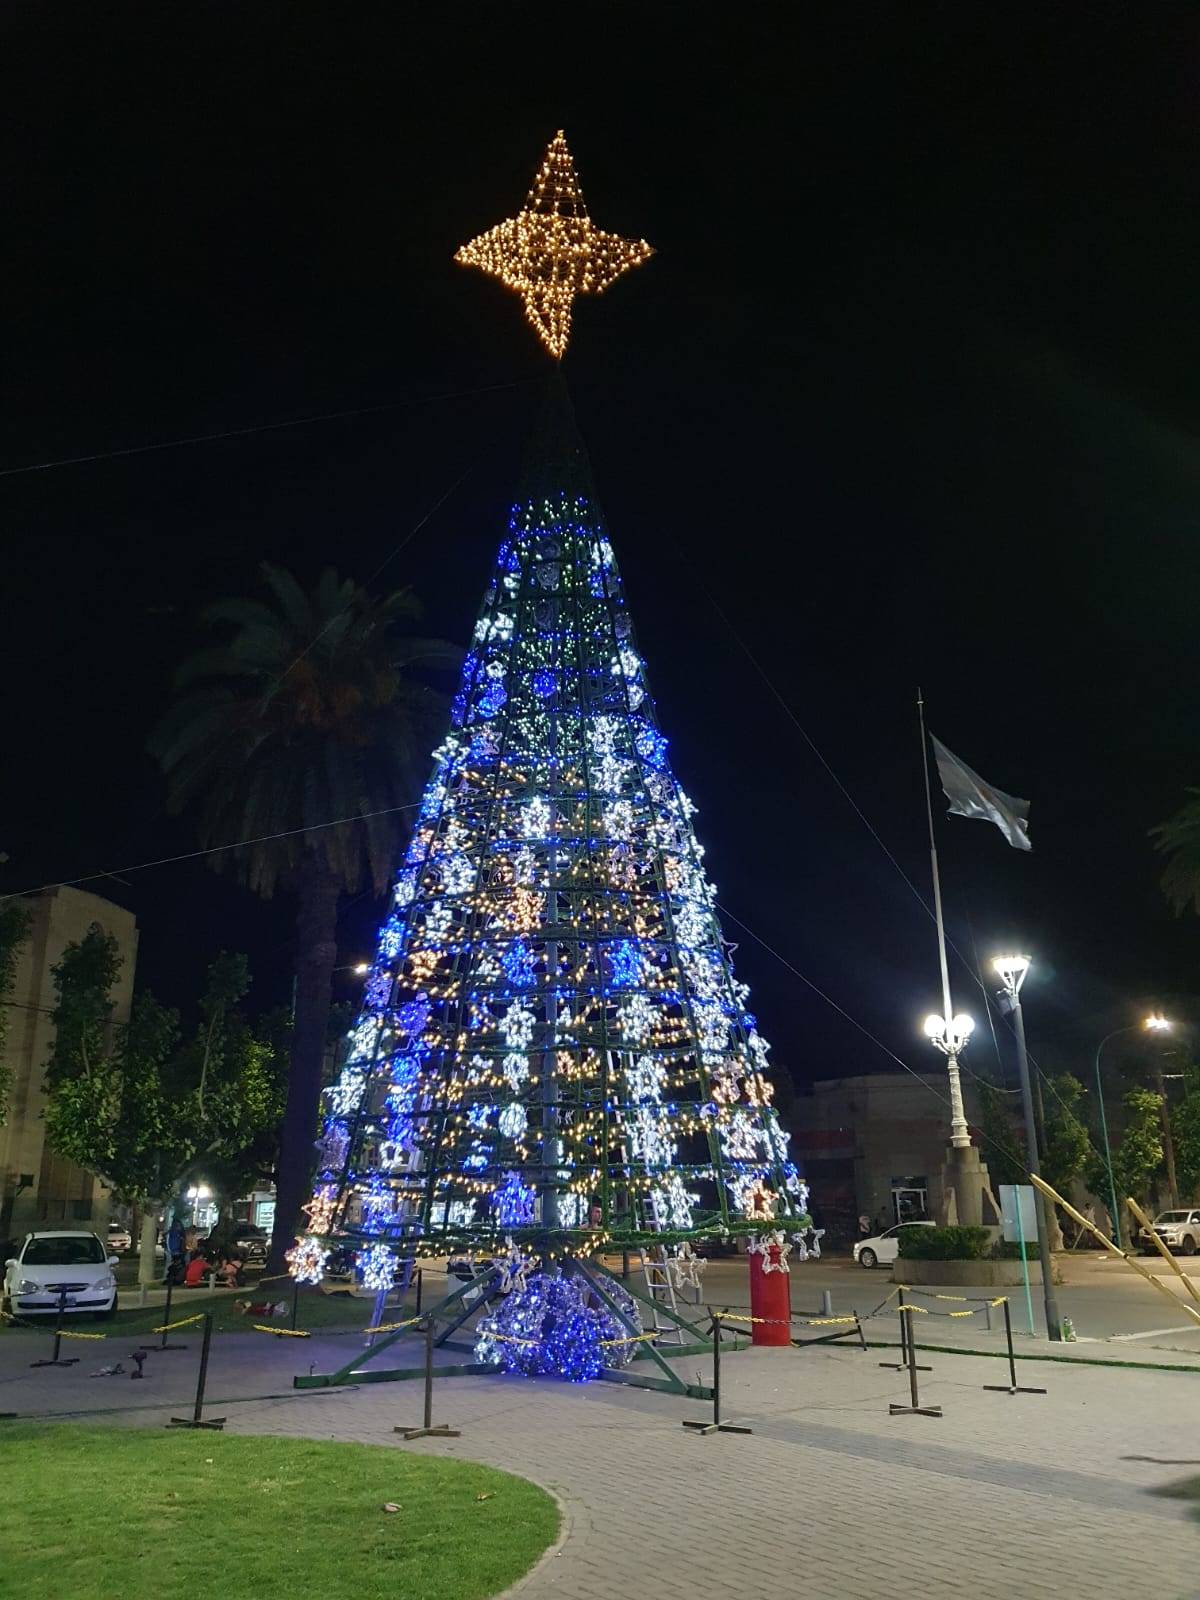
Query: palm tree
(1179, 840)
(309, 713)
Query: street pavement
(1002, 1496)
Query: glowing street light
(949, 1035)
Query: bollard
(196, 1419)
(916, 1408)
(427, 1429)
(57, 1359)
(716, 1425)
(826, 1302)
(163, 1345)
(1012, 1386)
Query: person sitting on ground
(198, 1269)
(229, 1273)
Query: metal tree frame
(552, 1044)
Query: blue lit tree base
(554, 1327)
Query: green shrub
(1010, 1250)
(944, 1244)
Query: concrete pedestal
(964, 1176)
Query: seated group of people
(190, 1261)
(227, 1268)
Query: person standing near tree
(174, 1245)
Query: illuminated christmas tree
(553, 1047)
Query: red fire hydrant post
(770, 1293)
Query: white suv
(73, 1269)
(1178, 1230)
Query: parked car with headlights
(251, 1241)
(119, 1237)
(1178, 1230)
(881, 1249)
(60, 1267)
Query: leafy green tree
(84, 979)
(1185, 1125)
(1004, 1151)
(310, 711)
(14, 930)
(142, 1105)
(1068, 1143)
(1139, 1155)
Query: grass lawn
(133, 1514)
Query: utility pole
(1012, 970)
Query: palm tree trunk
(316, 954)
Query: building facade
(875, 1145)
(38, 1187)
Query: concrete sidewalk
(830, 1497)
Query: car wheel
(867, 1258)
(1189, 1246)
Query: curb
(1019, 1355)
(566, 1527)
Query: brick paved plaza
(829, 1497)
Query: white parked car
(884, 1247)
(1178, 1230)
(73, 1267)
(119, 1236)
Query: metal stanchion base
(915, 1411)
(902, 1366)
(155, 1348)
(441, 1431)
(62, 1361)
(1010, 1388)
(187, 1422)
(716, 1427)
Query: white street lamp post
(949, 1035)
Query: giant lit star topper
(550, 252)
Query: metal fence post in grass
(1012, 1386)
(58, 1359)
(197, 1420)
(427, 1429)
(716, 1425)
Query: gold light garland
(551, 251)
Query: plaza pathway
(830, 1497)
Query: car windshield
(1173, 1216)
(70, 1250)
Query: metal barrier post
(1012, 1386)
(716, 1425)
(163, 1345)
(295, 1300)
(916, 1408)
(905, 1334)
(58, 1360)
(420, 1286)
(195, 1420)
(427, 1429)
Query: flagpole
(960, 1136)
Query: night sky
(909, 389)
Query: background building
(875, 1144)
(39, 1188)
